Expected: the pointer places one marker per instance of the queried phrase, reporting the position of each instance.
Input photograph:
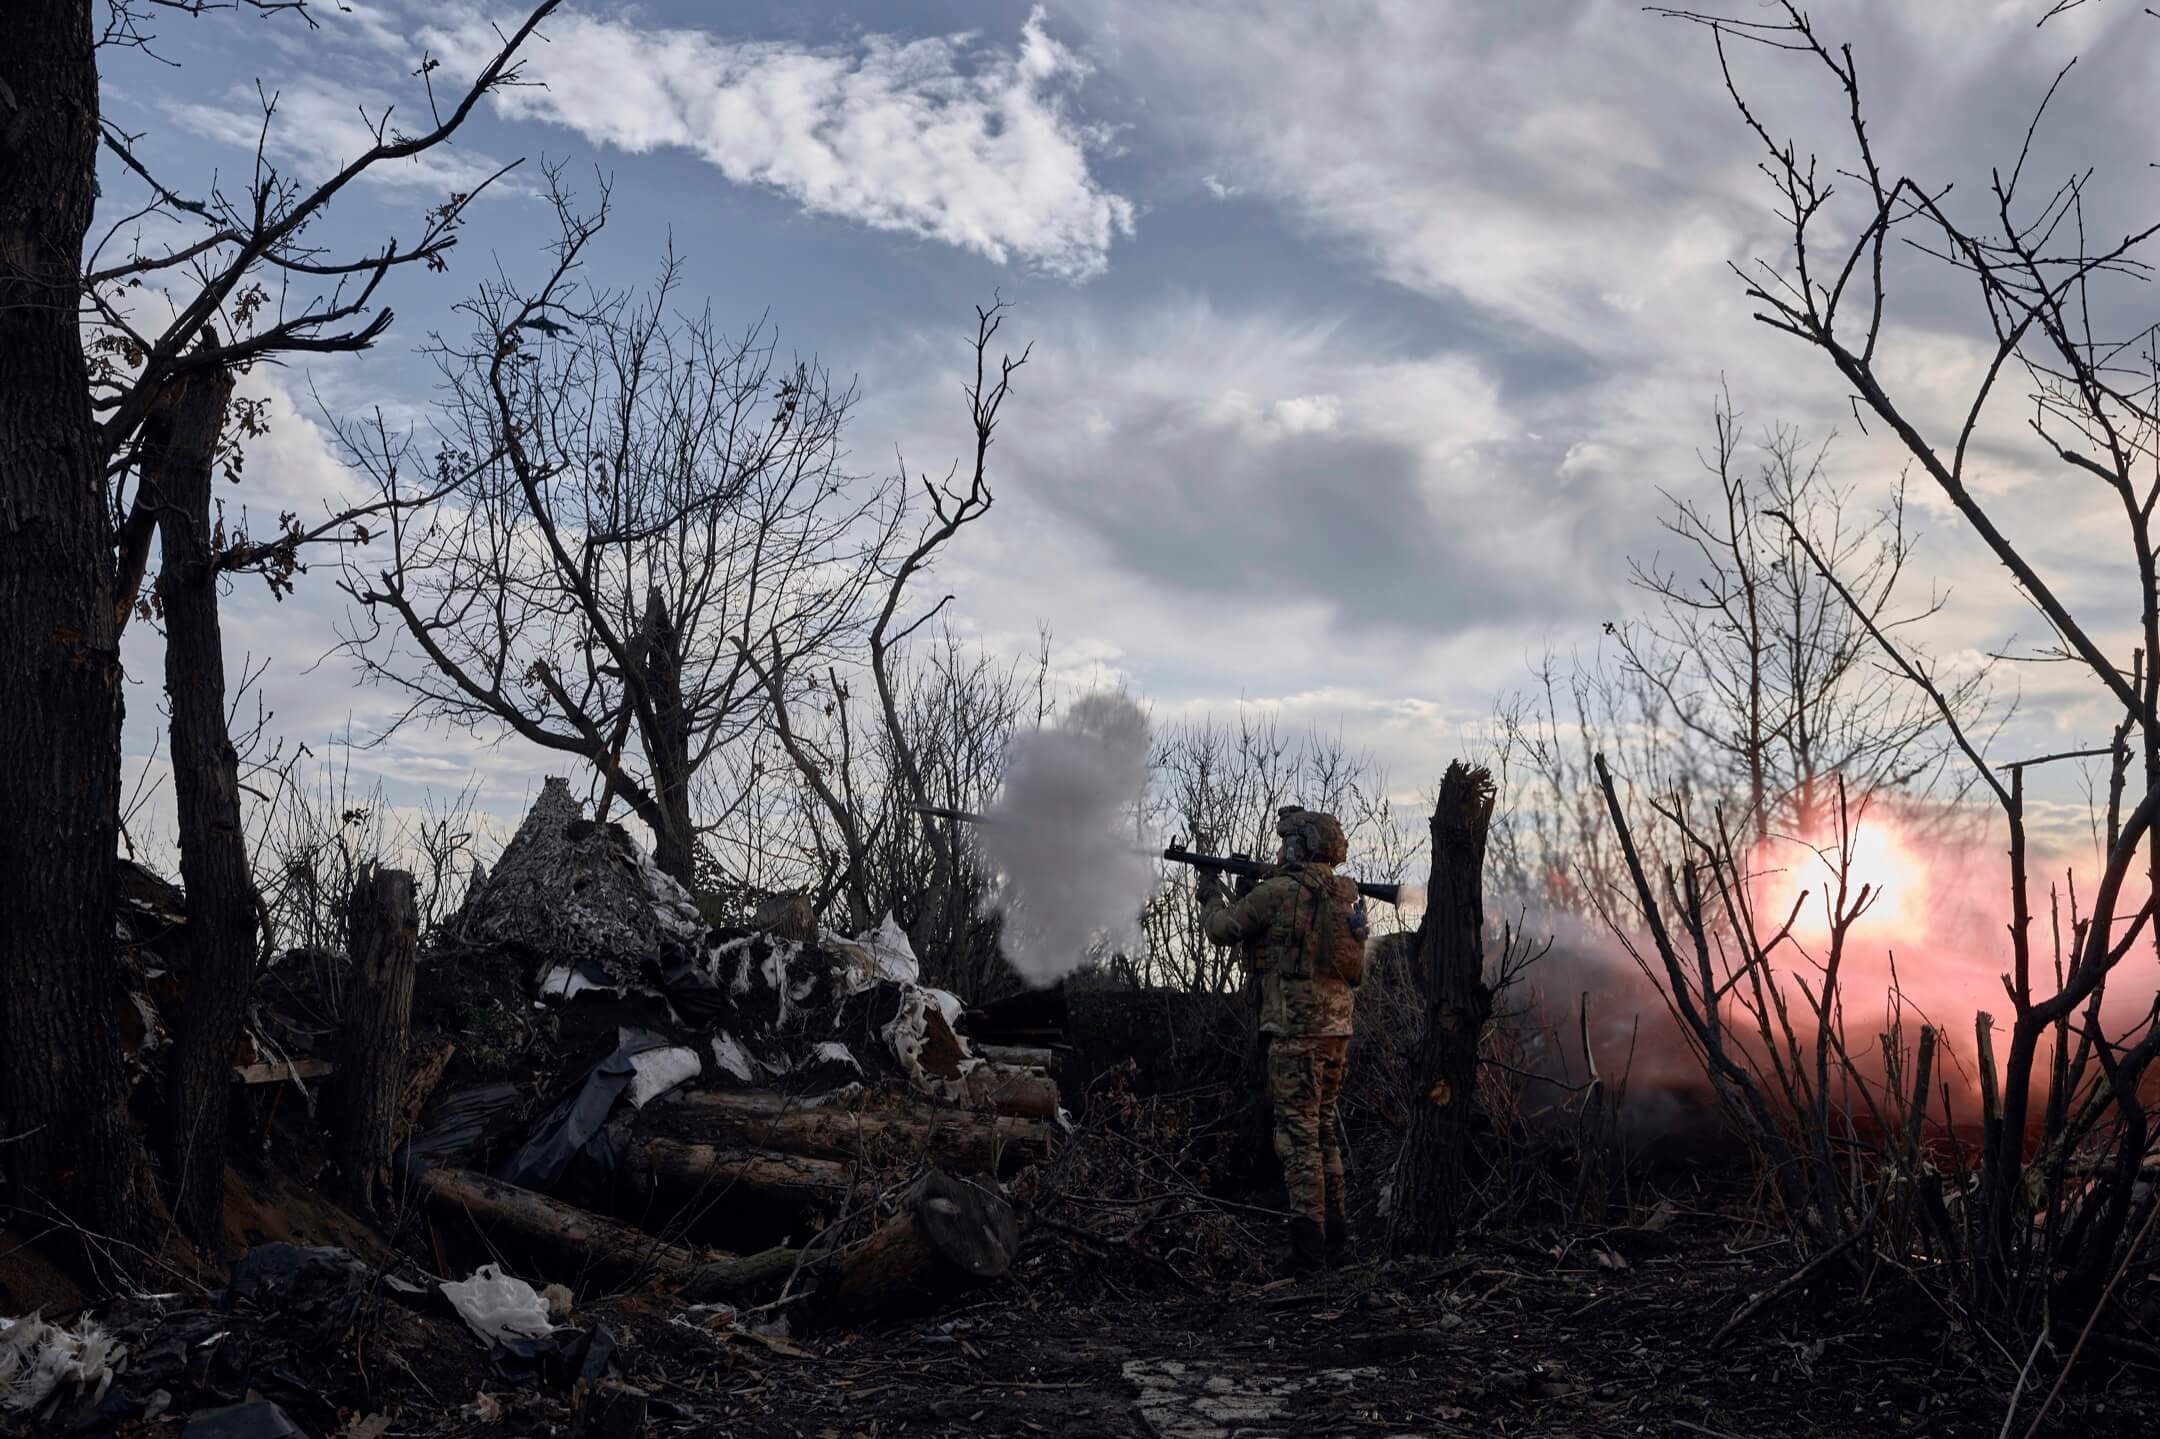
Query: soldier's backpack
(1331, 932)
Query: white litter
(563, 980)
(660, 1070)
(729, 1054)
(37, 1358)
(832, 1051)
(497, 1306)
(886, 955)
(919, 1032)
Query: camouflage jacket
(1274, 924)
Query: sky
(1366, 335)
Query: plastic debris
(461, 1123)
(309, 1286)
(730, 1055)
(575, 1134)
(497, 1306)
(660, 1070)
(255, 1419)
(882, 955)
(41, 1362)
(832, 1051)
(566, 981)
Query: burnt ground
(1512, 1336)
(1506, 1338)
(1531, 1333)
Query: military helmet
(1322, 833)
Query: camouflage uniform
(1307, 1018)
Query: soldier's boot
(1307, 1253)
(1338, 1237)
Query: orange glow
(1894, 873)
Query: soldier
(1303, 929)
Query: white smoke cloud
(1061, 839)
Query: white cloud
(321, 127)
(973, 147)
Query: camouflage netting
(567, 889)
(583, 912)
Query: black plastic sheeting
(462, 1126)
(700, 1002)
(317, 1287)
(256, 1419)
(557, 1362)
(572, 1151)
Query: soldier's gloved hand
(1360, 925)
(1207, 887)
(1244, 883)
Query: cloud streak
(972, 147)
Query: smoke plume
(1060, 836)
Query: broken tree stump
(948, 1236)
(368, 1087)
(1430, 1170)
(952, 1138)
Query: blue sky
(1366, 333)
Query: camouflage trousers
(1305, 1078)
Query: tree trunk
(179, 447)
(369, 1089)
(667, 747)
(1426, 1207)
(948, 1236)
(63, 1091)
(953, 1138)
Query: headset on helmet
(1322, 833)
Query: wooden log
(568, 1242)
(706, 1174)
(948, 1236)
(277, 1071)
(953, 1138)
(1024, 1056)
(1010, 1090)
(370, 1080)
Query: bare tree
(1749, 683)
(2052, 305)
(96, 333)
(944, 907)
(655, 512)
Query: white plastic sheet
(660, 1070)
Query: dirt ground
(1529, 1335)
(1507, 1338)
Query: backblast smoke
(1061, 839)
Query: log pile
(754, 1116)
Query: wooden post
(1429, 1172)
(370, 1080)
